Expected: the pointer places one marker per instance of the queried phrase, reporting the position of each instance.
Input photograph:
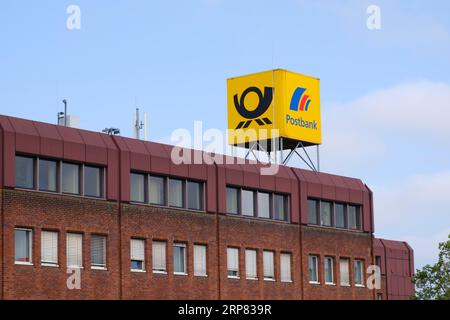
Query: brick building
(138, 226)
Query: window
(176, 193)
(312, 212)
(74, 250)
(159, 256)
(285, 261)
(339, 215)
(157, 190)
(233, 262)
(137, 247)
(93, 181)
(313, 269)
(264, 205)
(179, 258)
(378, 261)
(329, 270)
(23, 246)
(359, 276)
(248, 203)
(49, 248)
(280, 207)
(250, 264)
(232, 200)
(325, 213)
(344, 270)
(268, 265)
(194, 195)
(98, 251)
(24, 172)
(354, 219)
(48, 175)
(70, 178)
(379, 296)
(200, 260)
(137, 187)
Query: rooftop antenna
(65, 112)
(138, 125)
(111, 131)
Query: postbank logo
(264, 101)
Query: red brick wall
(338, 244)
(39, 211)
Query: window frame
(247, 275)
(284, 279)
(50, 263)
(142, 261)
(355, 262)
(30, 246)
(34, 167)
(205, 248)
(58, 175)
(237, 271)
(103, 266)
(315, 258)
(182, 245)
(164, 260)
(267, 277)
(102, 181)
(341, 283)
(329, 258)
(69, 266)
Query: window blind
(285, 259)
(137, 249)
(49, 247)
(233, 259)
(344, 272)
(199, 260)
(268, 264)
(159, 255)
(74, 250)
(98, 251)
(250, 264)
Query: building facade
(85, 215)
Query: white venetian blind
(159, 256)
(137, 249)
(199, 260)
(250, 264)
(344, 272)
(233, 259)
(74, 250)
(285, 259)
(98, 251)
(268, 265)
(49, 247)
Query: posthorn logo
(264, 102)
(300, 100)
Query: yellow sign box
(274, 104)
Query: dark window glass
(137, 265)
(24, 172)
(378, 261)
(179, 258)
(98, 251)
(232, 200)
(157, 190)
(70, 178)
(354, 217)
(280, 207)
(263, 205)
(339, 215)
(137, 187)
(194, 195)
(47, 175)
(248, 203)
(312, 212)
(22, 242)
(325, 213)
(93, 181)
(175, 193)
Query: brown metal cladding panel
(251, 176)
(27, 138)
(74, 147)
(378, 250)
(198, 171)
(328, 187)
(410, 259)
(234, 174)
(294, 204)
(9, 152)
(367, 219)
(158, 158)
(1, 157)
(112, 169)
(125, 168)
(221, 188)
(96, 152)
(267, 182)
(139, 156)
(314, 188)
(211, 189)
(51, 144)
(284, 179)
(341, 189)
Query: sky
(385, 94)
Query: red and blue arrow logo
(300, 100)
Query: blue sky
(385, 93)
